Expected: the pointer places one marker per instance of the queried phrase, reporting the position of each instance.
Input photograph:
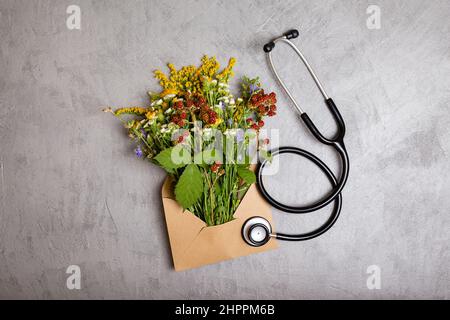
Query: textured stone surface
(72, 192)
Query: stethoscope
(257, 231)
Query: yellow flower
(190, 78)
(239, 113)
(172, 68)
(133, 110)
(208, 68)
(163, 81)
(168, 91)
(228, 71)
(150, 115)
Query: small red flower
(215, 167)
(178, 105)
(212, 115)
(261, 123)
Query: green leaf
(189, 187)
(246, 174)
(169, 159)
(218, 188)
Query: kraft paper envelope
(194, 244)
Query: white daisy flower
(169, 96)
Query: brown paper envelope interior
(194, 244)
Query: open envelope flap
(182, 226)
(194, 244)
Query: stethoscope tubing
(336, 142)
(337, 185)
(337, 200)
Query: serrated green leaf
(246, 174)
(166, 158)
(189, 187)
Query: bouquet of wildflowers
(204, 137)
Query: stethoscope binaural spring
(257, 231)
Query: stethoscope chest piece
(256, 231)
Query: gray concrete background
(72, 191)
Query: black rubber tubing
(309, 208)
(337, 186)
(335, 195)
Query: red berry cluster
(196, 102)
(264, 104)
(255, 125)
(180, 115)
(208, 115)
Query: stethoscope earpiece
(256, 231)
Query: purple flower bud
(138, 152)
(253, 88)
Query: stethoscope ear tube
(291, 34)
(339, 138)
